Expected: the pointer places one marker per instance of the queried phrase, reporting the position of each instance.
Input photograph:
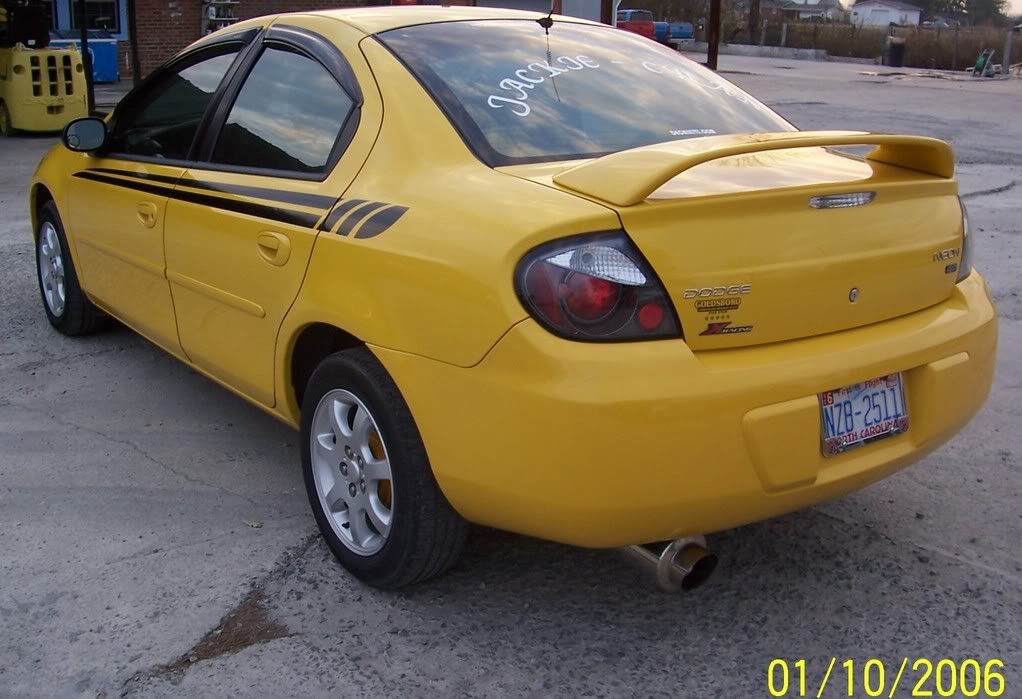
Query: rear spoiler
(630, 176)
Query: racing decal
(356, 216)
(331, 220)
(317, 201)
(725, 328)
(378, 216)
(272, 213)
(381, 221)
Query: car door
(117, 201)
(242, 226)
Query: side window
(287, 116)
(162, 122)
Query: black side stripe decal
(273, 213)
(353, 220)
(317, 201)
(381, 221)
(140, 175)
(336, 214)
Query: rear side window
(520, 94)
(287, 116)
(161, 122)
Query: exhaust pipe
(683, 564)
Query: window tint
(519, 94)
(287, 116)
(163, 121)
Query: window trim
(196, 54)
(312, 46)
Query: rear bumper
(612, 444)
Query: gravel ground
(155, 539)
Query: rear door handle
(273, 247)
(147, 213)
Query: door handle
(146, 213)
(275, 248)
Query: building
(882, 13)
(814, 10)
(166, 26)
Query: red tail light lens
(595, 287)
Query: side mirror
(85, 135)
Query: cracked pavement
(146, 513)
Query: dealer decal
(718, 305)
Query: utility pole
(136, 62)
(753, 20)
(713, 35)
(83, 40)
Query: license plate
(861, 413)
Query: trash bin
(895, 51)
(102, 47)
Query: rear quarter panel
(438, 281)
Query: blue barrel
(105, 66)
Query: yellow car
(522, 271)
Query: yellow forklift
(41, 89)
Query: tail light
(595, 287)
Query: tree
(987, 12)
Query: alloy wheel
(352, 472)
(51, 269)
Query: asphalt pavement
(155, 539)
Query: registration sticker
(861, 413)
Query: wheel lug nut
(352, 490)
(362, 485)
(359, 460)
(347, 450)
(344, 468)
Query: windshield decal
(693, 132)
(531, 75)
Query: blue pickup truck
(662, 32)
(682, 32)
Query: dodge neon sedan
(522, 271)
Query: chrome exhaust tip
(680, 565)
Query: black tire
(79, 316)
(426, 535)
(6, 125)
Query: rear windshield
(520, 94)
(635, 16)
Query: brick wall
(167, 26)
(164, 27)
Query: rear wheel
(368, 478)
(67, 308)
(6, 125)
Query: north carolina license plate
(862, 412)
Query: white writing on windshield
(527, 78)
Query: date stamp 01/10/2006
(904, 677)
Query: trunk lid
(729, 229)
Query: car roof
(381, 18)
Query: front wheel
(66, 306)
(368, 478)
